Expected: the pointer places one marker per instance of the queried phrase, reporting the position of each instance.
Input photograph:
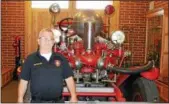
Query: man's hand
(73, 99)
(21, 90)
(20, 100)
(72, 88)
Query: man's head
(46, 39)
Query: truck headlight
(118, 37)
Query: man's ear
(38, 41)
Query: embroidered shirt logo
(40, 63)
(57, 63)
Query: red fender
(152, 74)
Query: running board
(92, 89)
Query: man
(46, 70)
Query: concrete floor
(9, 92)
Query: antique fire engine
(97, 62)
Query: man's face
(46, 40)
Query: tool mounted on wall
(17, 46)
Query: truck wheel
(144, 90)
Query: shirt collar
(39, 55)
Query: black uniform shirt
(46, 77)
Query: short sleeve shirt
(46, 77)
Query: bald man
(46, 70)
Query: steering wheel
(65, 24)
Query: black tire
(144, 90)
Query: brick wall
(133, 23)
(12, 19)
(160, 4)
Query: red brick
(160, 4)
(134, 18)
(132, 14)
(12, 25)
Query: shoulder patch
(57, 63)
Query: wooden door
(164, 52)
(164, 79)
(162, 82)
(37, 19)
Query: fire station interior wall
(41, 18)
(18, 18)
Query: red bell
(109, 9)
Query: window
(92, 4)
(46, 4)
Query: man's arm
(72, 88)
(24, 79)
(21, 90)
(68, 76)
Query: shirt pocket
(57, 70)
(36, 70)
